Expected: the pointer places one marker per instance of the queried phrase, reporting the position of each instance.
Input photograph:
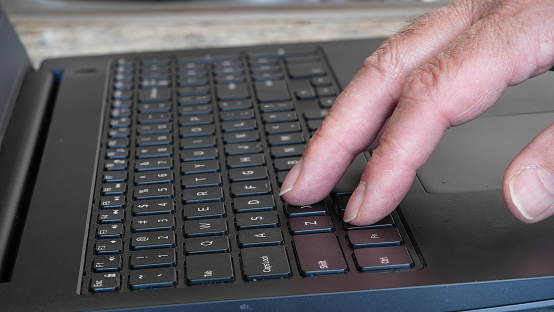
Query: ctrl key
(382, 258)
(105, 282)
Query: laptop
(148, 181)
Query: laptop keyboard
(193, 153)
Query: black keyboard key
(161, 128)
(243, 148)
(201, 180)
(117, 188)
(252, 220)
(326, 91)
(154, 139)
(195, 110)
(306, 210)
(276, 107)
(106, 263)
(316, 113)
(117, 153)
(285, 164)
(327, 102)
(230, 79)
(154, 177)
(153, 223)
(154, 95)
(152, 164)
(240, 161)
(204, 211)
(241, 137)
(193, 120)
(284, 127)
(120, 123)
(119, 133)
(154, 151)
(239, 125)
(202, 195)
(248, 174)
(260, 237)
(199, 154)
(384, 258)
(286, 139)
(374, 237)
(279, 117)
(288, 150)
(194, 100)
(193, 90)
(234, 105)
(109, 230)
(305, 93)
(150, 258)
(105, 282)
(204, 245)
(111, 216)
(115, 165)
(123, 94)
(109, 246)
(265, 263)
(118, 143)
(112, 201)
(200, 166)
(154, 83)
(196, 131)
(305, 70)
(205, 227)
(254, 203)
(153, 278)
(321, 81)
(250, 188)
(272, 91)
(153, 191)
(209, 268)
(311, 224)
(157, 239)
(198, 142)
(187, 81)
(122, 104)
(237, 114)
(153, 206)
(314, 124)
(319, 254)
(232, 91)
(154, 118)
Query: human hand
(443, 70)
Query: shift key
(319, 254)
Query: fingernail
(354, 203)
(532, 191)
(291, 178)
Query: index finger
(359, 113)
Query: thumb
(529, 180)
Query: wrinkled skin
(446, 68)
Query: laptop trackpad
(474, 156)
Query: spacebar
(351, 178)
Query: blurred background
(57, 28)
